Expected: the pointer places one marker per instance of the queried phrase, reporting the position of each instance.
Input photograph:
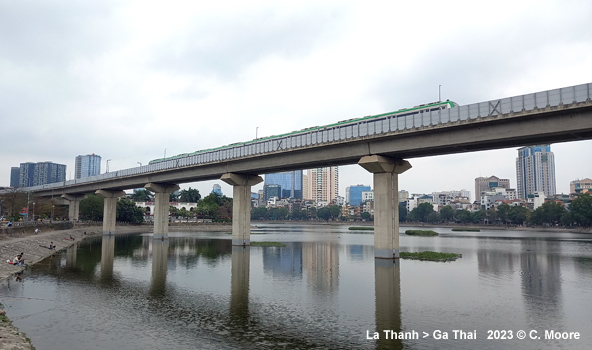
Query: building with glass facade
(289, 181)
(87, 165)
(15, 173)
(35, 174)
(353, 194)
(535, 171)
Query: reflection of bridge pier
(107, 256)
(387, 281)
(386, 203)
(160, 250)
(71, 256)
(239, 284)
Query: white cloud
(127, 80)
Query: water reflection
(540, 275)
(189, 290)
(239, 286)
(160, 250)
(320, 261)
(107, 257)
(387, 281)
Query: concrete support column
(162, 193)
(241, 205)
(386, 203)
(110, 209)
(73, 205)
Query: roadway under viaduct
(385, 155)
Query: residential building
(575, 186)
(35, 174)
(323, 184)
(535, 171)
(446, 197)
(88, 165)
(353, 194)
(485, 184)
(289, 181)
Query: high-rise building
(487, 184)
(88, 165)
(35, 174)
(289, 181)
(353, 194)
(535, 170)
(323, 184)
(15, 173)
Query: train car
(255, 145)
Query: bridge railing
(355, 129)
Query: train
(260, 145)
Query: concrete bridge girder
(386, 202)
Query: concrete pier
(110, 209)
(241, 205)
(386, 202)
(162, 192)
(73, 205)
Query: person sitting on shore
(51, 246)
(21, 260)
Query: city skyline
(208, 76)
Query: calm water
(323, 290)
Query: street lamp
(108, 160)
(139, 163)
(33, 218)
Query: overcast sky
(133, 80)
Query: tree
(190, 195)
(335, 211)
(365, 216)
(174, 196)
(421, 212)
(580, 210)
(259, 213)
(433, 217)
(143, 195)
(518, 215)
(447, 213)
(403, 212)
(127, 211)
(324, 213)
(503, 212)
(92, 207)
(549, 213)
(12, 203)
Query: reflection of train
(345, 129)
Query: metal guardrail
(348, 131)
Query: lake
(323, 290)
